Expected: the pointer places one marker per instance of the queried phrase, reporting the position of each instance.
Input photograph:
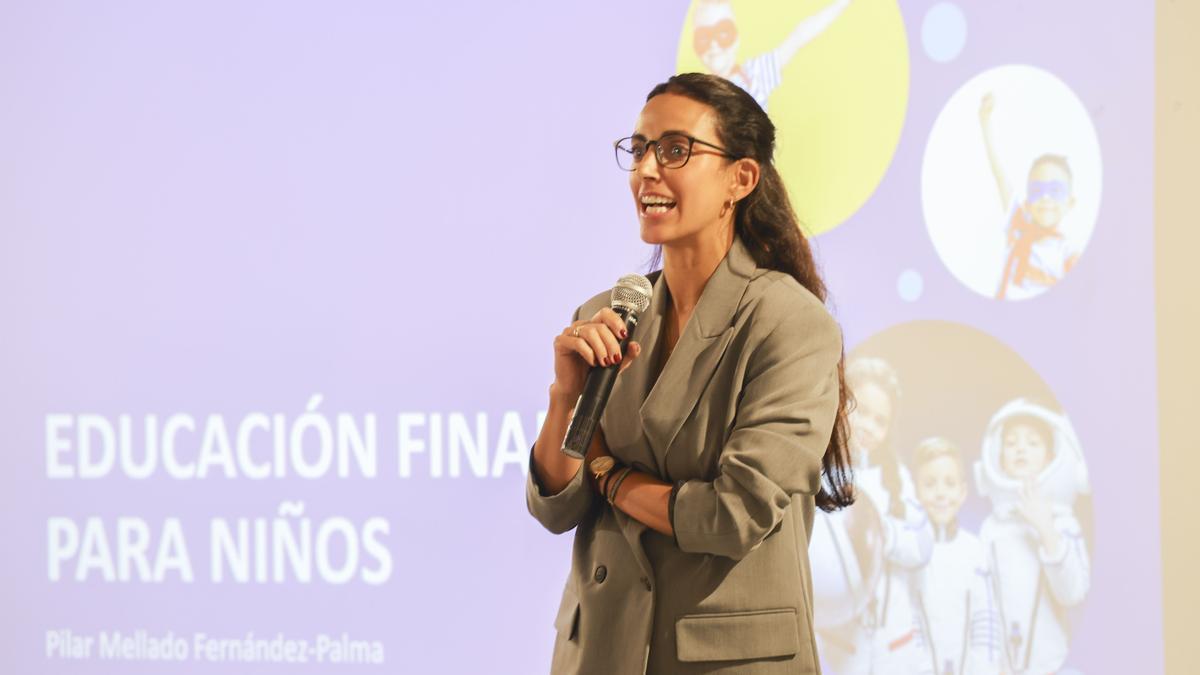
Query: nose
(648, 168)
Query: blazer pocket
(737, 635)
(566, 622)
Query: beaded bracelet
(612, 494)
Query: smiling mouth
(653, 205)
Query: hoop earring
(727, 206)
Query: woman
(727, 431)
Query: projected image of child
(1039, 253)
(957, 618)
(1032, 469)
(715, 39)
(882, 639)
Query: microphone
(630, 297)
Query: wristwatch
(601, 466)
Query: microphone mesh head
(632, 293)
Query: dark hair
(768, 226)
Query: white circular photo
(1011, 182)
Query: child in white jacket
(955, 610)
(881, 639)
(1032, 469)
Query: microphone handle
(596, 389)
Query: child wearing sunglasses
(1039, 253)
(715, 38)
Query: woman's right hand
(586, 343)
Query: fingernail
(617, 358)
(624, 333)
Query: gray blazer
(738, 420)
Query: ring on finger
(575, 332)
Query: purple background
(227, 207)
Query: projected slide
(281, 281)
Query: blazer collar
(663, 405)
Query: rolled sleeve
(785, 416)
(562, 510)
(565, 509)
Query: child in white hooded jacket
(1032, 469)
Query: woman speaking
(726, 426)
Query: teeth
(655, 199)
(657, 208)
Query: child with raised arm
(1039, 253)
(715, 39)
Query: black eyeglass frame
(692, 140)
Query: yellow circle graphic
(832, 74)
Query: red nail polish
(624, 333)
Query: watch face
(601, 465)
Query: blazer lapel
(627, 441)
(687, 372)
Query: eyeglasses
(1057, 190)
(672, 150)
(723, 32)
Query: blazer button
(646, 582)
(601, 574)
